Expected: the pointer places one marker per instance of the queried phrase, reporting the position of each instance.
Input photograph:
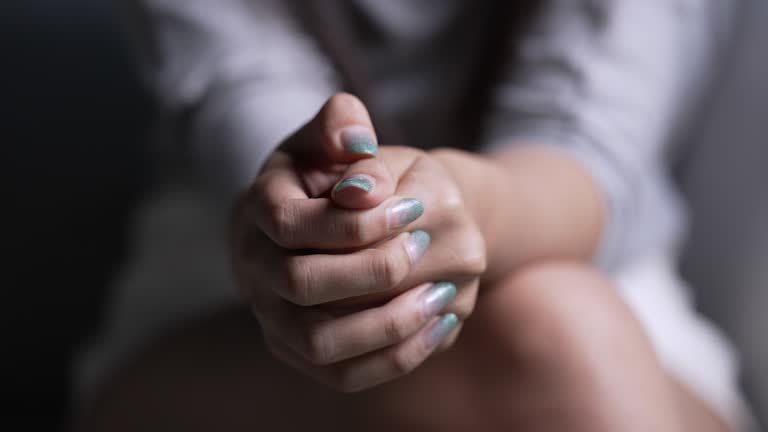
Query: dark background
(74, 121)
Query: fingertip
(354, 185)
(365, 185)
(348, 128)
(341, 132)
(358, 141)
(356, 193)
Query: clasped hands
(358, 261)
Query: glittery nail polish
(440, 330)
(359, 140)
(404, 212)
(416, 244)
(437, 297)
(358, 181)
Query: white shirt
(610, 82)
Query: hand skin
(303, 246)
(531, 203)
(377, 306)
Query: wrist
(530, 202)
(480, 181)
(469, 172)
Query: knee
(563, 343)
(554, 312)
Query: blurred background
(74, 153)
(111, 242)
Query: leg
(581, 360)
(549, 348)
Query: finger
(324, 336)
(254, 260)
(450, 340)
(395, 361)
(341, 132)
(320, 278)
(253, 210)
(456, 253)
(365, 184)
(366, 371)
(463, 306)
(312, 180)
(334, 340)
(295, 222)
(320, 224)
(458, 250)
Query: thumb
(340, 133)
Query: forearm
(530, 203)
(594, 84)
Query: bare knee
(565, 346)
(545, 309)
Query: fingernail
(359, 140)
(417, 244)
(440, 329)
(359, 181)
(405, 212)
(438, 296)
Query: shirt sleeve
(242, 74)
(610, 82)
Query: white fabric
(688, 346)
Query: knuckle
(450, 200)
(296, 288)
(355, 231)
(404, 361)
(387, 270)
(351, 230)
(395, 329)
(474, 263)
(319, 346)
(283, 222)
(472, 259)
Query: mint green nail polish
(438, 296)
(404, 212)
(441, 329)
(359, 140)
(359, 182)
(417, 244)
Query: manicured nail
(440, 330)
(404, 212)
(417, 244)
(359, 140)
(437, 297)
(358, 181)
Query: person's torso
(424, 68)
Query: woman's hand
(356, 270)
